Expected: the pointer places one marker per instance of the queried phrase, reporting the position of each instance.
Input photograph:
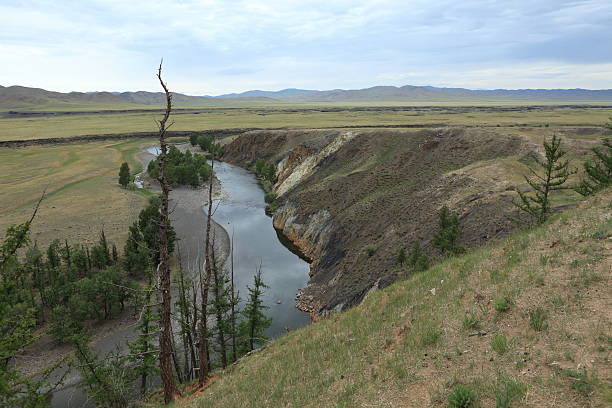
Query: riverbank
(189, 221)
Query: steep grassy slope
(524, 323)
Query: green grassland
(523, 323)
(52, 126)
(81, 186)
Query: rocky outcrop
(301, 162)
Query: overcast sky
(212, 47)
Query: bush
(502, 304)
(538, 319)
(462, 396)
(370, 249)
(270, 197)
(499, 343)
(265, 170)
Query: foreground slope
(545, 291)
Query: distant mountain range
(425, 93)
(15, 97)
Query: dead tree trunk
(233, 300)
(205, 285)
(165, 336)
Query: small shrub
(462, 396)
(499, 343)
(370, 249)
(270, 197)
(471, 322)
(538, 319)
(502, 304)
(507, 391)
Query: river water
(241, 213)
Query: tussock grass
(405, 346)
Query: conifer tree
(143, 351)
(448, 232)
(401, 257)
(124, 174)
(555, 173)
(417, 259)
(598, 172)
(255, 321)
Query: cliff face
(340, 191)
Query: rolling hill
(20, 97)
(429, 93)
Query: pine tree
(556, 173)
(222, 305)
(598, 172)
(448, 232)
(124, 174)
(255, 321)
(143, 351)
(417, 259)
(401, 257)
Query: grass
(82, 194)
(406, 346)
(499, 343)
(307, 116)
(462, 396)
(538, 319)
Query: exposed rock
(341, 190)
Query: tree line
(182, 168)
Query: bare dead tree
(234, 302)
(205, 284)
(165, 336)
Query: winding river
(241, 212)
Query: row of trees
(206, 143)
(182, 168)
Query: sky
(213, 47)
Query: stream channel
(241, 212)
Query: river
(241, 213)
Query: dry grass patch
(82, 191)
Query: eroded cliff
(342, 190)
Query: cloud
(114, 44)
